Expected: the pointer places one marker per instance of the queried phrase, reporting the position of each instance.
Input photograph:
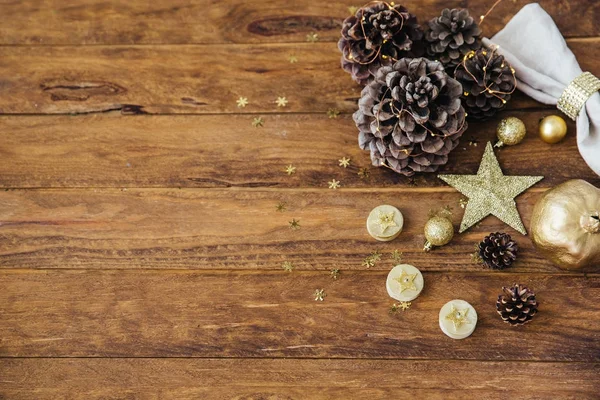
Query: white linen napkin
(544, 67)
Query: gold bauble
(510, 131)
(438, 232)
(565, 225)
(552, 129)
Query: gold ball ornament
(510, 131)
(438, 232)
(552, 129)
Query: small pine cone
(451, 36)
(498, 250)
(488, 81)
(516, 305)
(378, 34)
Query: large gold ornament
(565, 226)
(510, 131)
(491, 192)
(552, 129)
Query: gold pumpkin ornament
(565, 226)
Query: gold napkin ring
(577, 93)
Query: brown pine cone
(378, 34)
(516, 305)
(451, 36)
(498, 250)
(410, 116)
(488, 81)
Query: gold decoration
(458, 317)
(312, 37)
(333, 184)
(242, 102)
(491, 192)
(371, 259)
(333, 113)
(319, 295)
(256, 122)
(510, 131)
(438, 232)
(281, 102)
(403, 305)
(463, 202)
(406, 281)
(396, 255)
(290, 169)
(473, 141)
(552, 129)
(292, 59)
(577, 93)
(364, 173)
(335, 273)
(287, 266)
(344, 162)
(386, 220)
(294, 224)
(281, 206)
(565, 225)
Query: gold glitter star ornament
(404, 282)
(491, 192)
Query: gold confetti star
(287, 266)
(344, 162)
(463, 202)
(458, 317)
(363, 173)
(290, 169)
(280, 207)
(406, 281)
(491, 192)
(403, 305)
(386, 220)
(333, 113)
(371, 259)
(281, 101)
(397, 255)
(312, 37)
(294, 224)
(242, 102)
(335, 273)
(333, 184)
(319, 295)
(352, 10)
(292, 59)
(258, 122)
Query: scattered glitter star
(281, 101)
(344, 162)
(258, 122)
(292, 59)
(312, 37)
(242, 102)
(287, 266)
(386, 220)
(319, 295)
(294, 224)
(458, 317)
(403, 305)
(280, 207)
(463, 202)
(333, 184)
(397, 256)
(335, 273)
(352, 10)
(290, 169)
(363, 173)
(473, 141)
(333, 113)
(491, 192)
(371, 259)
(406, 281)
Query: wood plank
(190, 79)
(226, 151)
(293, 379)
(235, 229)
(236, 21)
(69, 313)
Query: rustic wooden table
(140, 247)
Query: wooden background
(141, 253)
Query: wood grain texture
(119, 313)
(226, 151)
(235, 230)
(294, 379)
(191, 79)
(236, 21)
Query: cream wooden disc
(410, 276)
(462, 311)
(385, 233)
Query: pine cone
(517, 304)
(378, 34)
(451, 36)
(410, 116)
(487, 80)
(498, 250)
